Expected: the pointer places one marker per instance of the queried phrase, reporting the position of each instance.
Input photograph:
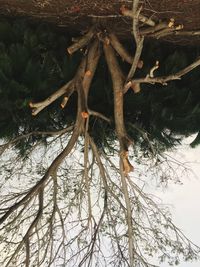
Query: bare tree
(85, 208)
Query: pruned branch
(148, 30)
(37, 107)
(66, 97)
(81, 42)
(117, 81)
(155, 67)
(67, 90)
(163, 79)
(129, 13)
(91, 65)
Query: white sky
(185, 199)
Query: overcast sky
(185, 199)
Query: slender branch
(187, 33)
(17, 139)
(138, 40)
(164, 79)
(155, 67)
(166, 32)
(86, 177)
(67, 89)
(129, 13)
(25, 239)
(100, 115)
(37, 107)
(128, 214)
(52, 168)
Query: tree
(86, 199)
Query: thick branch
(120, 49)
(91, 65)
(117, 80)
(81, 42)
(160, 26)
(92, 59)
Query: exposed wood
(39, 106)
(148, 30)
(118, 81)
(81, 42)
(164, 79)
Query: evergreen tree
(72, 195)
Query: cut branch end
(84, 115)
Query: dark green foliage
(32, 60)
(34, 63)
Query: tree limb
(129, 13)
(81, 42)
(120, 48)
(164, 79)
(117, 80)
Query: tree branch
(120, 48)
(37, 107)
(81, 42)
(129, 13)
(117, 80)
(67, 89)
(138, 40)
(164, 79)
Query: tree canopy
(34, 62)
(95, 102)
